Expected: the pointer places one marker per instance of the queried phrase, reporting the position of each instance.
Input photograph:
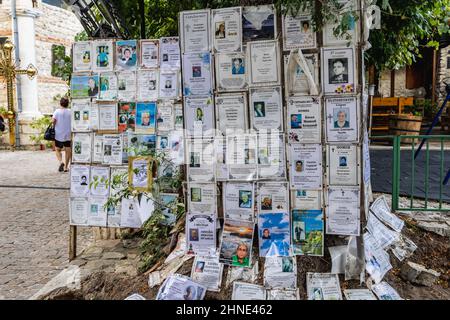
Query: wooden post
(72, 243)
(392, 83)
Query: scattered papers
(207, 271)
(385, 292)
(243, 274)
(381, 209)
(280, 272)
(359, 294)
(338, 257)
(380, 232)
(179, 287)
(248, 291)
(278, 294)
(135, 296)
(323, 286)
(403, 248)
(377, 260)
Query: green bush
(41, 124)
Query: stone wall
(400, 84)
(55, 26)
(443, 71)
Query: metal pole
(17, 59)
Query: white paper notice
(169, 84)
(266, 108)
(338, 71)
(126, 90)
(343, 214)
(231, 110)
(170, 57)
(112, 149)
(264, 59)
(81, 110)
(304, 120)
(147, 84)
(342, 119)
(79, 211)
(343, 165)
(295, 78)
(323, 286)
(385, 292)
(129, 214)
(195, 30)
(283, 294)
(280, 273)
(108, 115)
(306, 166)
(81, 148)
(231, 71)
(103, 56)
(108, 86)
(179, 287)
(248, 291)
(99, 185)
(199, 116)
(379, 231)
(271, 156)
(239, 201)
(149, 51)
(82, 56)
(201, 234)
(241, 157)
(306, 199)
(359, 294)
(207, 271)
(97, 215)
(202, 198)
(381, 209)
(201, 160)
(97, 149)
(273, 197)
(197, 74)
(227, 29)
(298, 32)
(377, 260)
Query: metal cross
(9, 70)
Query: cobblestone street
(34, 222)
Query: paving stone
(114, 255)
(440, 228)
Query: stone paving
(34, 222)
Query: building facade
(45, 29)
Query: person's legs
(68, 156)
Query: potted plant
(41, 124)
(408, 123)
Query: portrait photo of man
(237, 66)
(299, 166)
(338, 70)
(196, 71)
(76, 115)
(266, 234)
(266, 202)
(168, 84)
(195, 160)
(305, 26)
(340, 120)
(83, 181)
(260, 109)
(296, 121)
(193, 235)
(165, 57)
(342, 161)
(200, 266)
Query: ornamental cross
(8, 71)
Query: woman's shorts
(62, 144)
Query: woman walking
(61, 121)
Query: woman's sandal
(61, 167)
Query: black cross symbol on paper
(188, 27)
(343, 192)
(255, 56)
(330, 117)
